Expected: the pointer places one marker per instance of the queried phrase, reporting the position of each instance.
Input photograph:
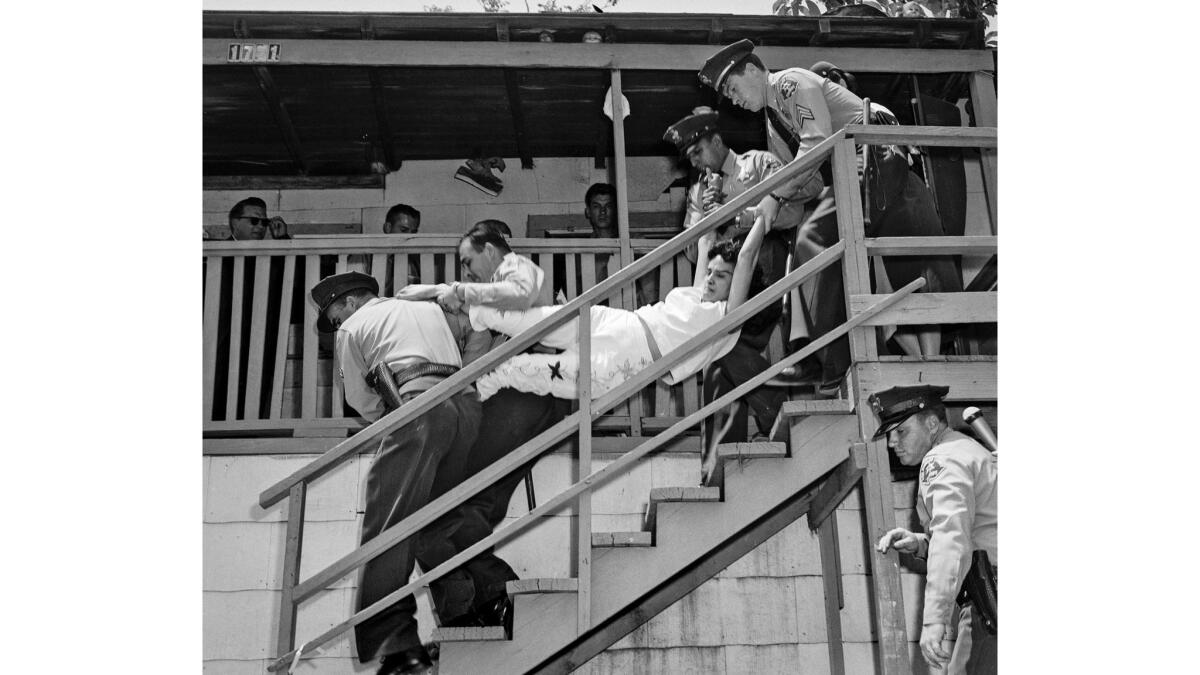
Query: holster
(979, 589)
(389, 385)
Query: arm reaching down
(747, 260)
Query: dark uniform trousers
(419, 462)
(510, 418)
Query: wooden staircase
(682, 526)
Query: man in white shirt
(418, 462)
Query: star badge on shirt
(555, 370)
(802, 114)
(931, 470)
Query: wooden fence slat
(212, 310)
(281, 339)
(689, 391)
(258, 338)
(308, 385)
(428, 274)
(572, 285)
(342, 261)
(235, 336)
(546, 292)
(451, 262)
(662, 393)
(379, 270)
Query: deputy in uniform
(723, 175)
(956, 503)
(416, 345)
(802, 109)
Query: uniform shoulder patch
(932, 469)
(787, 88)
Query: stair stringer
(685, 532)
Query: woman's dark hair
(727, 249)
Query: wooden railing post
(877, 481)
(583, 511)
(628, 293)
(983, 100)
(308, 381)
(286, 638)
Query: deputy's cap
(717, 67)
(332, 287)
(897, 404)
(691, 129)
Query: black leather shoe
(408, 662)
(497, 613)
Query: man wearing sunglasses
(248, 221)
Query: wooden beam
(822, 35)
(968, 381)
(831, 578)
(624, 621)
(954, 137)
(383, 128)
(603, 56)
(266, 84)
(983, 100)
(518, 117)
(292, 182)
(921, 34)
(285, 638)
(922, 246)
(931, 308)
(583, 468)
(839, 484)
(716, 32)
(316, 445)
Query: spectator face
(745, 90)
(601, 212)
(911, 10)
(911, 440)
(250, 225)
(717, 280)
(705, 154)
(478, 266)
(404, 224)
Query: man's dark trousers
(510, 418)
(430, 451)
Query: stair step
(677, 494)
(615, 539)
(546, 585)
(792, 410)
(732, 451)
(466, 634)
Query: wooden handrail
(535, 446)
(957, 137)
(370, 243)
(908, 246)
(597, 478)
(439, 392)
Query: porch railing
(864, 309)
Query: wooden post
(281, 338)
(628, 295)
(855, 263)
(235, 337)
(877, 480)
(831, 575)
(983, 100)
(212, 309)
(308, 381)
(286, 638)
(583, 511)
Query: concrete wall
(555, 185)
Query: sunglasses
(255, 220)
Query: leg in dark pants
(510, 418)
(828, 308)
(742, 362)
(431, 449)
